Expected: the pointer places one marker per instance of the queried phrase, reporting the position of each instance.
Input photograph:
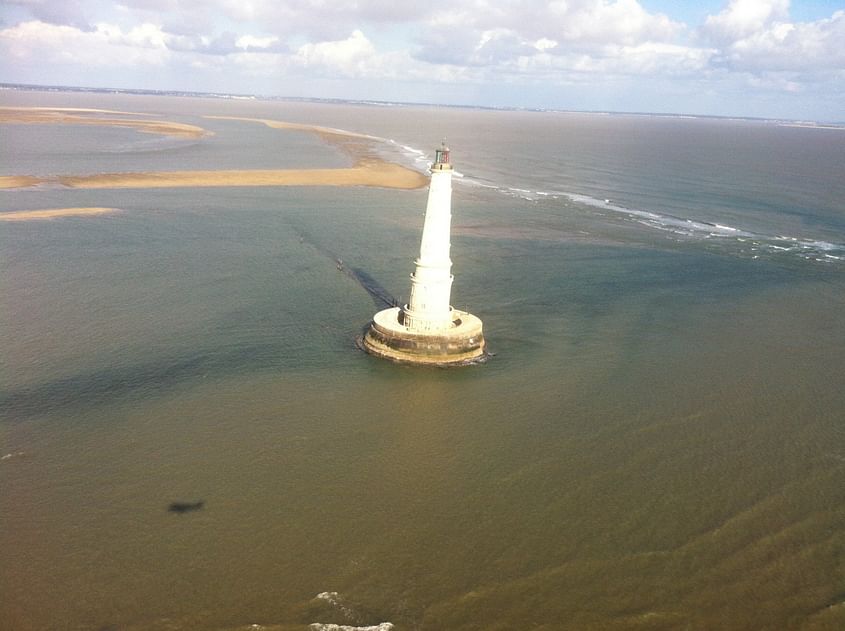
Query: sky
(761, 58)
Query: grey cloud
(447, 45)
(353, 11)
(183, 26)
(60, 12)
(153, 5)
(393, 11)
(476, 48)
(318, 19)
(224, 44)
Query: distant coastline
(828, 124)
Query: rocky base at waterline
(462, 344)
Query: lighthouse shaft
(431, 283)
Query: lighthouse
(431, 283)
(428, 330)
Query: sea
(191, 439)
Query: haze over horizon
(748, 58)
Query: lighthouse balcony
(428, 321)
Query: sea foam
(320, 626)
(336, 600)
(683, 228)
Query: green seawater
(658, 441)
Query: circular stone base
(461, 344)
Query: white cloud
(492, 33)
(472, 33)
(348, 57)
(544, 44)
(105, 46)
(655, 58)
(642, 60)
(743, 18)
(774, 83)
(620, 22)
(547, 43)
(143, 36)
(757, 40)
(251, 41)
(499, 45)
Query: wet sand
(52, 213)
(367, 170)
(68, 116)
(329, 133)
(18, 181)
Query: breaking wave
(410, 156)
(747, 243)
(348, 611)
(319, 626)
(750, 243)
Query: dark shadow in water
(124, 382)
(381, 297)
(378, 293)
(185, 507)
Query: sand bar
(315, 129)
(18, 181)
(67, 116)
(375, 173)
(369, 172)
(368, 169)
(53, 213)
(365, 173)
(357, 146)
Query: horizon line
(377, 102)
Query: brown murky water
(658, 443)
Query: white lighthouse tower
(428, 330)
(431, 283)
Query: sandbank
(52, 213)
(18, 181)
(368, 172)
(69, 116)
(368, 169)
(356, 145)
(364, 173)
(316, 129)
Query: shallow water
(657, 443)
